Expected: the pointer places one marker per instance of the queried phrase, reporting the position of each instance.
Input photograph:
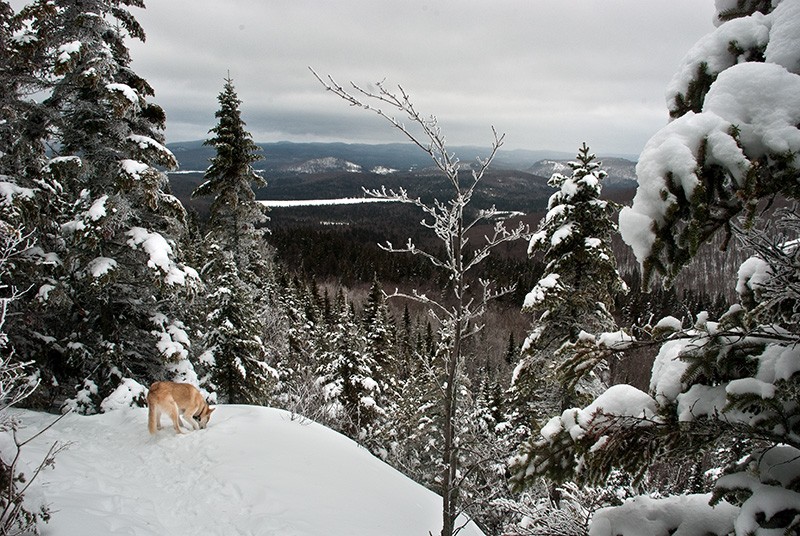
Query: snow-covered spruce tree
(379, 331)
(451, 222)
(235, 213)
(236, 263)
(118, 284)
(297, 389)
(346, 375)
(732, 383)
(235, 354)
(574, 297)
(22, 123)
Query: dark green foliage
(721, 394)
(235, 352)
(576, 293)
(106, 273)
(237, 264)
(230, 178)
(721, 196)
(744, 8)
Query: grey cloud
(548, 73)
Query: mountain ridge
(283, 155)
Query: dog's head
(205, 415)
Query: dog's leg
(152, 415)
(174, 415)
(188, 416)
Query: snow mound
(253, 471)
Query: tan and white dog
(176, 399)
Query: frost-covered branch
(448, 222)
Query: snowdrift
(253, 471)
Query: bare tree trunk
(450, 491)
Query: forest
(600, 365)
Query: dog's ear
(210, 409)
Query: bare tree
(459, 315)
(17, 382)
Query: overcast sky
(548, 73)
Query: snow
(127, 91)
(67, 50)
(277, 203)
(669, 323)
(675, 150)
(100, 266)
(714, 51)
(760, 100)
(618, 400)
(667, 371)
(134, 168)
(123, 396)
(382, 170)
(615, 339)
(562, 233)
(764, 503)
(154, 244)
(537, 294)
(763, 101)
(70, 160)
(146, 142)
(682, 515)
(98, 208)
(159, 251)
(173, 341)
(745, 386)
(9, 191)
(784, 38)
(254, 470)
(701, 401)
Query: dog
(176, 399)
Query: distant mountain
(295, 171)
(621, 172)
(286, 157)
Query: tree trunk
(450, 488)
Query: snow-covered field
(253, 471)
(277, 203)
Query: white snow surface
(254, 471)
(682, 515)
(277, 203)
(9, 191)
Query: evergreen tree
(576, 293)
(297, 390)
(235, 213)
(115, 285)
(728, 387)
(235, 355)
(379, 332)
(347, 376)
(237, 269)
